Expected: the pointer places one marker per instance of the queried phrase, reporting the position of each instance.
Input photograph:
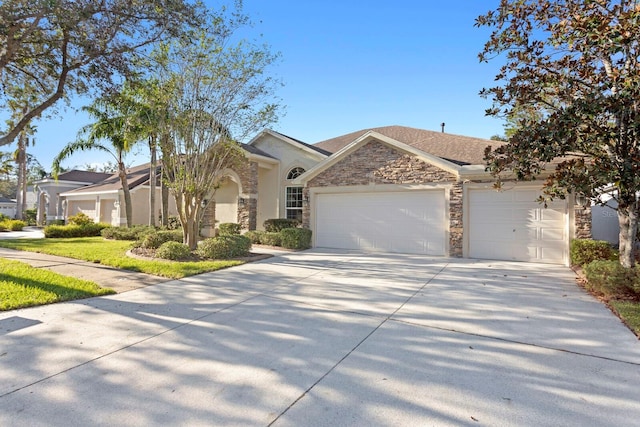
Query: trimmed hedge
(584, 251)
(271, 239)
(12, 225)
(276, 225)
(73, 230)
(154, 240)
(255, 236)
(173, 251)
(229, 228)
(296, 238)
(127, 233)
(611, 279)
(224, 247)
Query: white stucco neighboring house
(49, 199)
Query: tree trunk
(21, 160)
(127, 194)
(628, 220)
(152, 183)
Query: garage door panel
(403, 222)
(512, 225)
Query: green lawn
(629, 312)
(24, 286)
(113, 253)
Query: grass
(113, 253)
(24, 286)
(628, 311)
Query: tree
(220, 94)
(110, 124)
(53, 48)
(572, 68)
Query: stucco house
(104, 200)
(49, 200)
(7, 207)
(400, 189)
(392, 189)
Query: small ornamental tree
(571, 85)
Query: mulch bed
(149, 255)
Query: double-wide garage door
(403, 222)
(512, 225)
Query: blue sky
(350, 65)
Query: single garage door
(511, 225)
(403, 222)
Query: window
(293, 196)
(295, 172)
(294, 203)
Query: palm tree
(111, 125)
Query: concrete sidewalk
(327, 338)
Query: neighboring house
(7, 207)
(104, 200)
(49, 192)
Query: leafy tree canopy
(571, 83)
(53, 48)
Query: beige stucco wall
(87, 207)
(290, 157)
(226, 200)
(268, 195)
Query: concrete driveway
(327, 338)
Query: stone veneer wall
(582, 222)
(378, 163)
(456, 227)
(248, 210)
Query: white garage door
(403, 222)
(511, 225)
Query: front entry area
(412, 222)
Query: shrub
(173, 250)
(74, 230)
(80, 219)
(31, 216)
(4, 226)
(16, 224)
(127, 233)
(153, 240)
(3, 217)
(255, 236)
(271, 239)
(275, 225)
(584, 251)
(229, 228)
(296, 238)
(611, 279)
(222, 247)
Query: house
(399, 189)
(7, 207)
(392, 189)
(104, 200)
(49, 192)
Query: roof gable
(460, 150)
(369, 136)
(136, 176)
(318, 152)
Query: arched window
(293, 196)
(295, 172)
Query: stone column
(456, 229)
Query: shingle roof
(82, 176)
(462, 150)
(253, 150)
(137, 175)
